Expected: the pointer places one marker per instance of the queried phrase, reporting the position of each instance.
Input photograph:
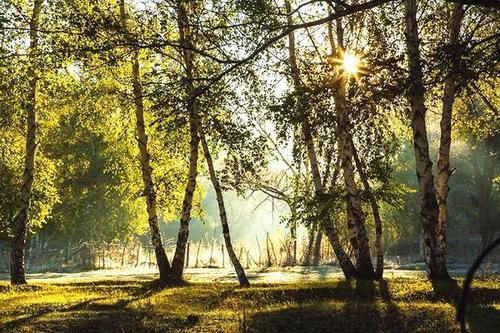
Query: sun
(350, 63)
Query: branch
(284, 33)
(480, 3)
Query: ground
(133, 304)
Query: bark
(379, 267)
(443, 164)
(323, 211)
(317, 248)
(293, 238)
(435, 257)
(356, 229)
(326, 223)
(20, 223)
(358, 235)
(310, 244)
(240, 272)
(144, 158)
(194, 126)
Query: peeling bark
(240, 272)
(435, 257)
(20, 223)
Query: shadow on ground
(394, 305)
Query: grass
(395, 305)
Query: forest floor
(133, 304)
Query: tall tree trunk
(435, 257)
(293, 234)
(355, 218)
(144, 158)
(358, 235)
(17, 274)
(240, 272)
(324, 217)
(194, 126)
(310, 244)
(317, 248)
(379, 267)
(443, 164)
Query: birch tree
(17, 273)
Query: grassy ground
(133, 305)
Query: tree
(21, 220)
(240, 273)
(322, 205)
(449, 91)
(144, 157)
(434, 239)
(191, 103)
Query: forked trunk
(194, 127)
(20, 223)
(434, 253)
(323, 211)
(379, 266)
(240, 272)
(443, 164)
(324, 217)
(144, 158)
(356, 229)
(358, 235)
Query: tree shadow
(393, 316)
(483, 318)
(481, 315)
(92, 315)
(348, 306)
(446, 290)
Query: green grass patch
(394, 305)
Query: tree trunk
(358, 235)
(310, 244)
(17, 274)
(434, 255)
(317, 248)
(356, 229)
(240, 272)
(268, 251)
(293, 235)
(144, 158)
(379, 267)
(325, 220)
(443, 164)
(192, 108)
